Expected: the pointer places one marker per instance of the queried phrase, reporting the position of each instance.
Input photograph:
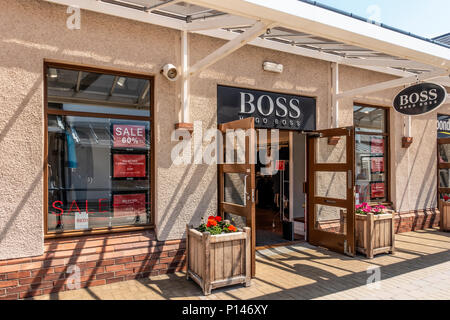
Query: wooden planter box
(375, 234)
(218, 260)
(445, 215)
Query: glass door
(237, 177)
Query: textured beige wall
(32, 31)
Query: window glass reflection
(98, 173)
(370, 154)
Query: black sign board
(443, 126)
(420, 99)
(270, 110)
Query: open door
(331, 203)
(237, 177)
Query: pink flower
(364, 204)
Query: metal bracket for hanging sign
(312, 134)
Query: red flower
(446, 198)
(232, 228)
(211, 218)
(218, 219)
(211, 223)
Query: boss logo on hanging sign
(270, 110)
(420, 99)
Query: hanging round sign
(420, 99)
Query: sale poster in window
(377, 165)
(126, 205)
(129, 165)
(81, 220)
(377, 190)
(128, 136)
(376, 145)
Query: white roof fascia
(304, 17)
(148, 17)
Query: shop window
(371, 156)
(443, 130)
(98, 151)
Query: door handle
(246, 194)
(349, 179)
(330, 201)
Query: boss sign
(420, 99)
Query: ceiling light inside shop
(52, 73)
(121, 81)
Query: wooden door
(331, 181)
(237, 177)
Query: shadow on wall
(38, 177)
(430, 193)
(174, 207)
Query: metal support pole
(334, 93)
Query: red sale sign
(129, 204)
(129, 166)
(129, 136)
(377, 190)
(280, 165)
(377, 165)
(377, 145)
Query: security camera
(170, 72)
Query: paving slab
(420, 269)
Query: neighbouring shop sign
(270, 110)
(443, 126)
(420, 99)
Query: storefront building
(88, 118)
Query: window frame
(48, 111)
(386, 135)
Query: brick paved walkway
(420, 269)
